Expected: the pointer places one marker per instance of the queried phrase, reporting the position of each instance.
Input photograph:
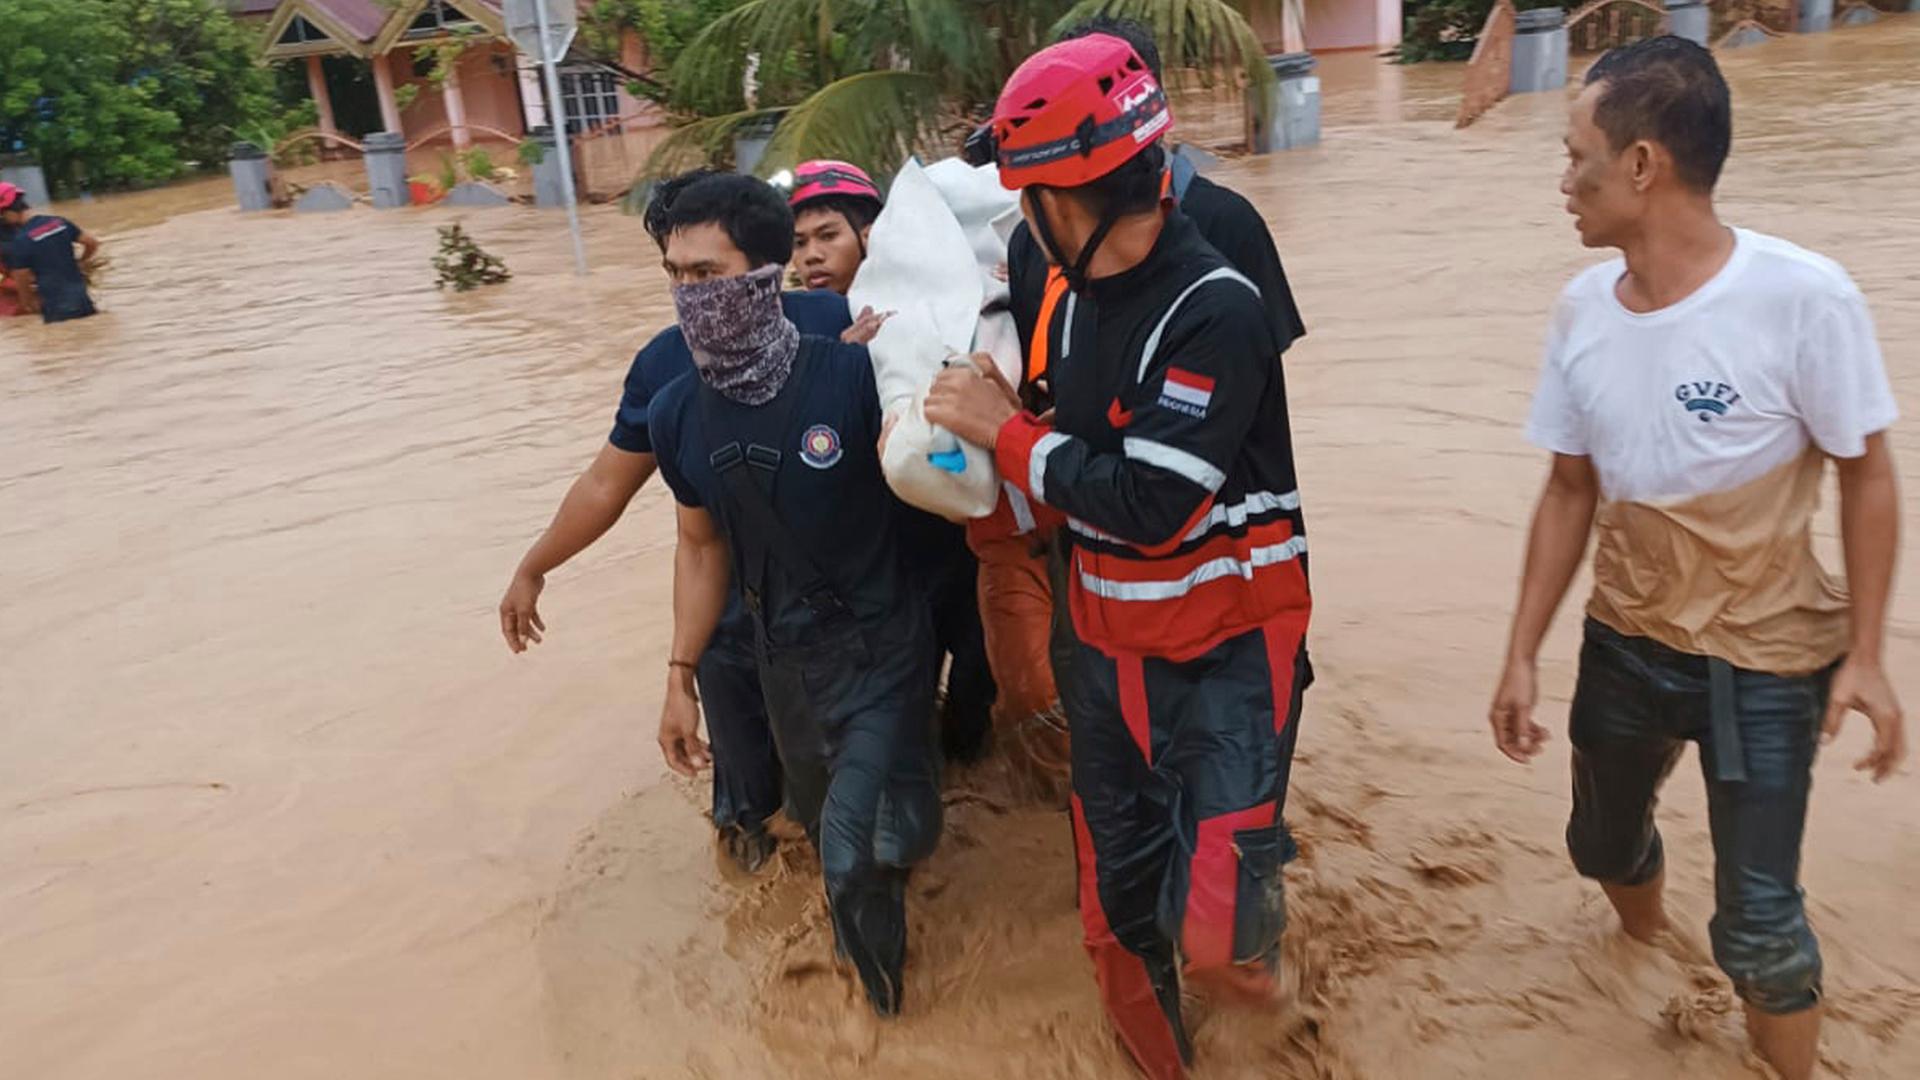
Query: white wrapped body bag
(930, 261)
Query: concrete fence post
(1816, 16)
(750, 142)
(549, 190)
(25, 173)
(386, 161)
(1539, 51)
(1293, 105)
(252, 177)
(1690, 19)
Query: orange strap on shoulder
(1037, 348)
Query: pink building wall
(489, 89)
(1330, 24)
(1391, 22)
(1352, 24)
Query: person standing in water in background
(47, 277)
(1168, 452)
(9, 291)
(834, 207)
(771, 449)
(1691, 395)
(746, 767)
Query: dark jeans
(1637, 703)
(966, 718)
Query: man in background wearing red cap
(1169, 453)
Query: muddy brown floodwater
(276, 802)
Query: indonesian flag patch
(1186, 392)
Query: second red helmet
(1076, 111)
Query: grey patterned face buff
(742, 343)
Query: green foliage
(479, 164)
(404, 97)
(197, 63)
(62, 96)
(474, 164)
(866, 80)
(530, 152)
(462, 264)
(870, 81)
(1206, 36)
(267, 132)
(665, 25)
(704, 141)
(445, 53)
(875, 116)
(114, 93)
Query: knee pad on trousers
(1771, 956)
(1614, 861)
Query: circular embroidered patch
(820, 447)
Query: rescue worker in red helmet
(1170, 454)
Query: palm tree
(871, 81)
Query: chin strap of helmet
(1076, 271)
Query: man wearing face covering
(770, 447)
(747, 787)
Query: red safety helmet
(8, 195)
(820, 179)
(1075, 112)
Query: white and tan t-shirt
(1708, 422)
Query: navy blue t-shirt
(666, 358)
(827, 489)
(44, 245)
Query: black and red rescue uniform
(1224, 219)
(1170, 455)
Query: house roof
(364, 18)
(400, 15)
(362, 27)
(349, 25)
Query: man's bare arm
(1556, 543)
(1870, 533)
(595, 501)
(23, 287)
(701, 574)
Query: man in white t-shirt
(1691, 395)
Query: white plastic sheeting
(931, 260)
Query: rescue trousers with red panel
(1180, 773)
